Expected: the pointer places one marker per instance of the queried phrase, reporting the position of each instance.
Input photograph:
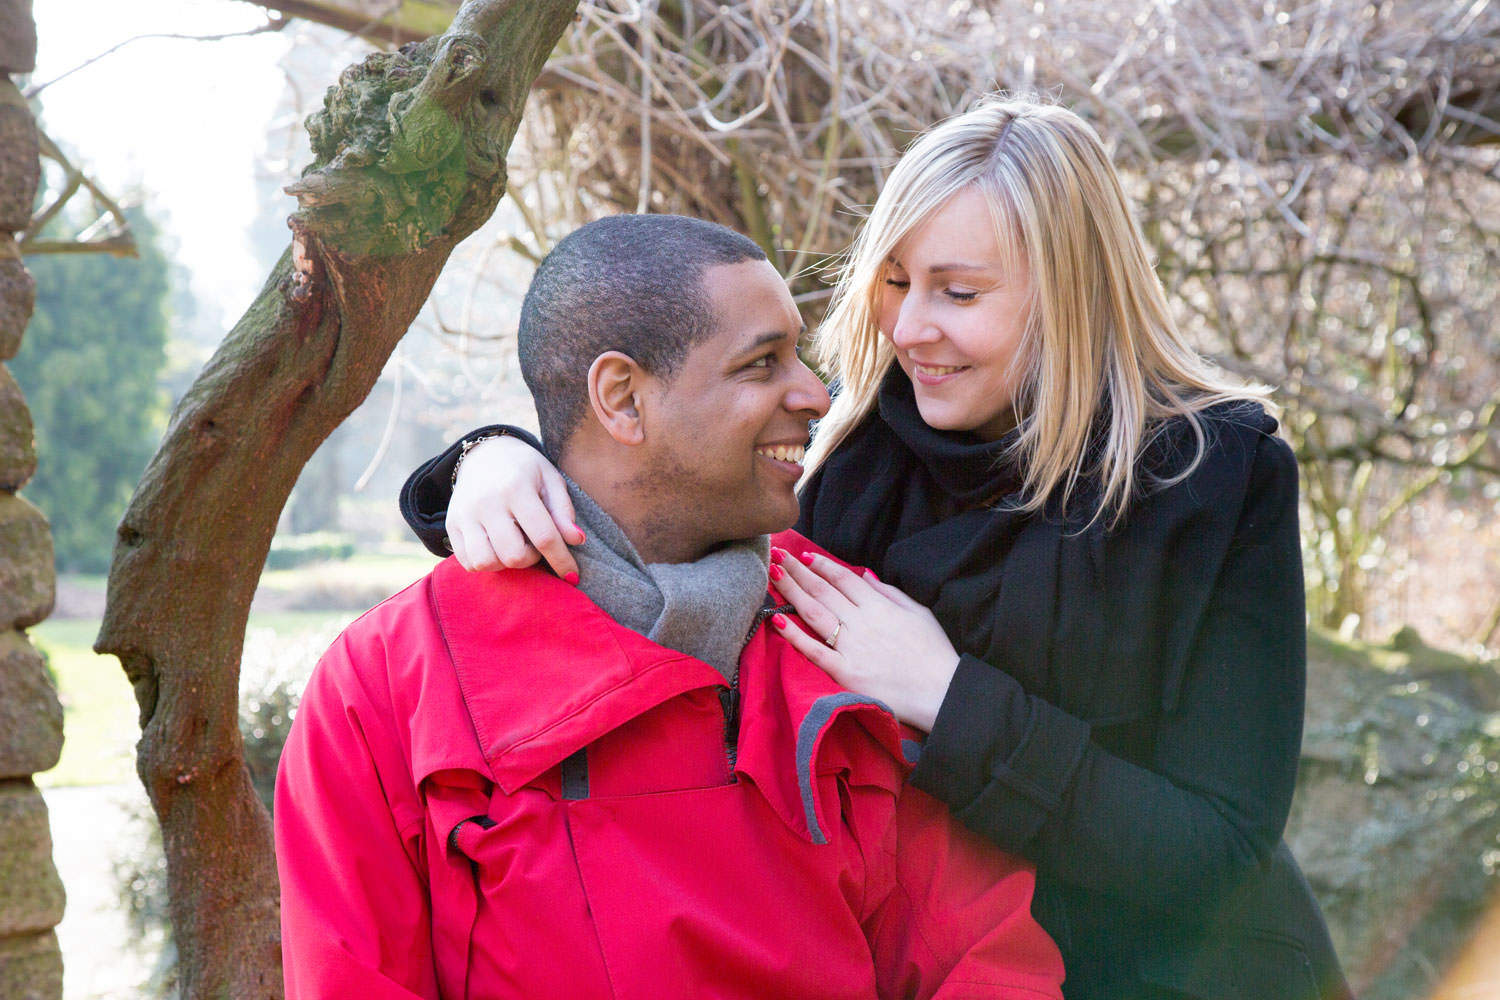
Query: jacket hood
(544, 671)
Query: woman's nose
(913, 325)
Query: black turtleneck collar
(971, 470)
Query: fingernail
(808, 558)
(581, 536)
(777, 555)
(869, 575)
(777, 572)
(779, 621)
(572, 578)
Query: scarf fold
(702, 608)
(935, 513)
(969, 469)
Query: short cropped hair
(627, 283)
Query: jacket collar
(585, 674)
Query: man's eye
(765, 361)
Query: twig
(274, 22)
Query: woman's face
(955, 314)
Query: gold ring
(829, 642)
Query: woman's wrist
(924, 711)
(468, 445)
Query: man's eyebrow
(769, 337)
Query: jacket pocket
(1235, 963)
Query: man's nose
(807, 393)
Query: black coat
(1139, 739)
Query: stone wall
(1397, 816)
(31, 895)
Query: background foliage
(90, 365)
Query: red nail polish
(808, 558)
(777, 555)
(581, 536)
(572, 578)
(779, 621)
(777, 572)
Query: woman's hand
(887, 645)
(510, 509)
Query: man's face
(727, 433)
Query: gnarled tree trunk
(409, 159)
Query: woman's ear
(615, 387)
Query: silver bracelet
(464, 450)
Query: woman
(1105, 528)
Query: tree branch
(409, 159)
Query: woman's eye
(957, 296)
(903, 285)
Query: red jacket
(428, 847)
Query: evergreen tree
(89, 367)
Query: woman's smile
(936, 374)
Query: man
(505, 785)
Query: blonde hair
(1099, 335)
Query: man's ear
(616, 384)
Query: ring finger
(821, 616)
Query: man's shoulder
(404, 618)
(797, 544)
(392, 669)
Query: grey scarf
(701, 608)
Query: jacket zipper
(729, 697)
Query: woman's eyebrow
(947, 267)
(956, 266)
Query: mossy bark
(410, 158)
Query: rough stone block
(20, 167)
(17, 297)
(17, 435)
(28, 582)
(33, 897)
(17, 43)
(31, 967)
(31, 718)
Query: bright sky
(185, 120)
(188, 122)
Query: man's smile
(785, 458)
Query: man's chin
(779, 517)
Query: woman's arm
(1212, 801)
(1212, 804)
(495, 501)
(427, 491)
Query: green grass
(395, 569)
(99, 709)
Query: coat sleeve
(1211, 805)
(426, 492)
(953, 920)
(355, 911)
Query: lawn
(305, 610)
